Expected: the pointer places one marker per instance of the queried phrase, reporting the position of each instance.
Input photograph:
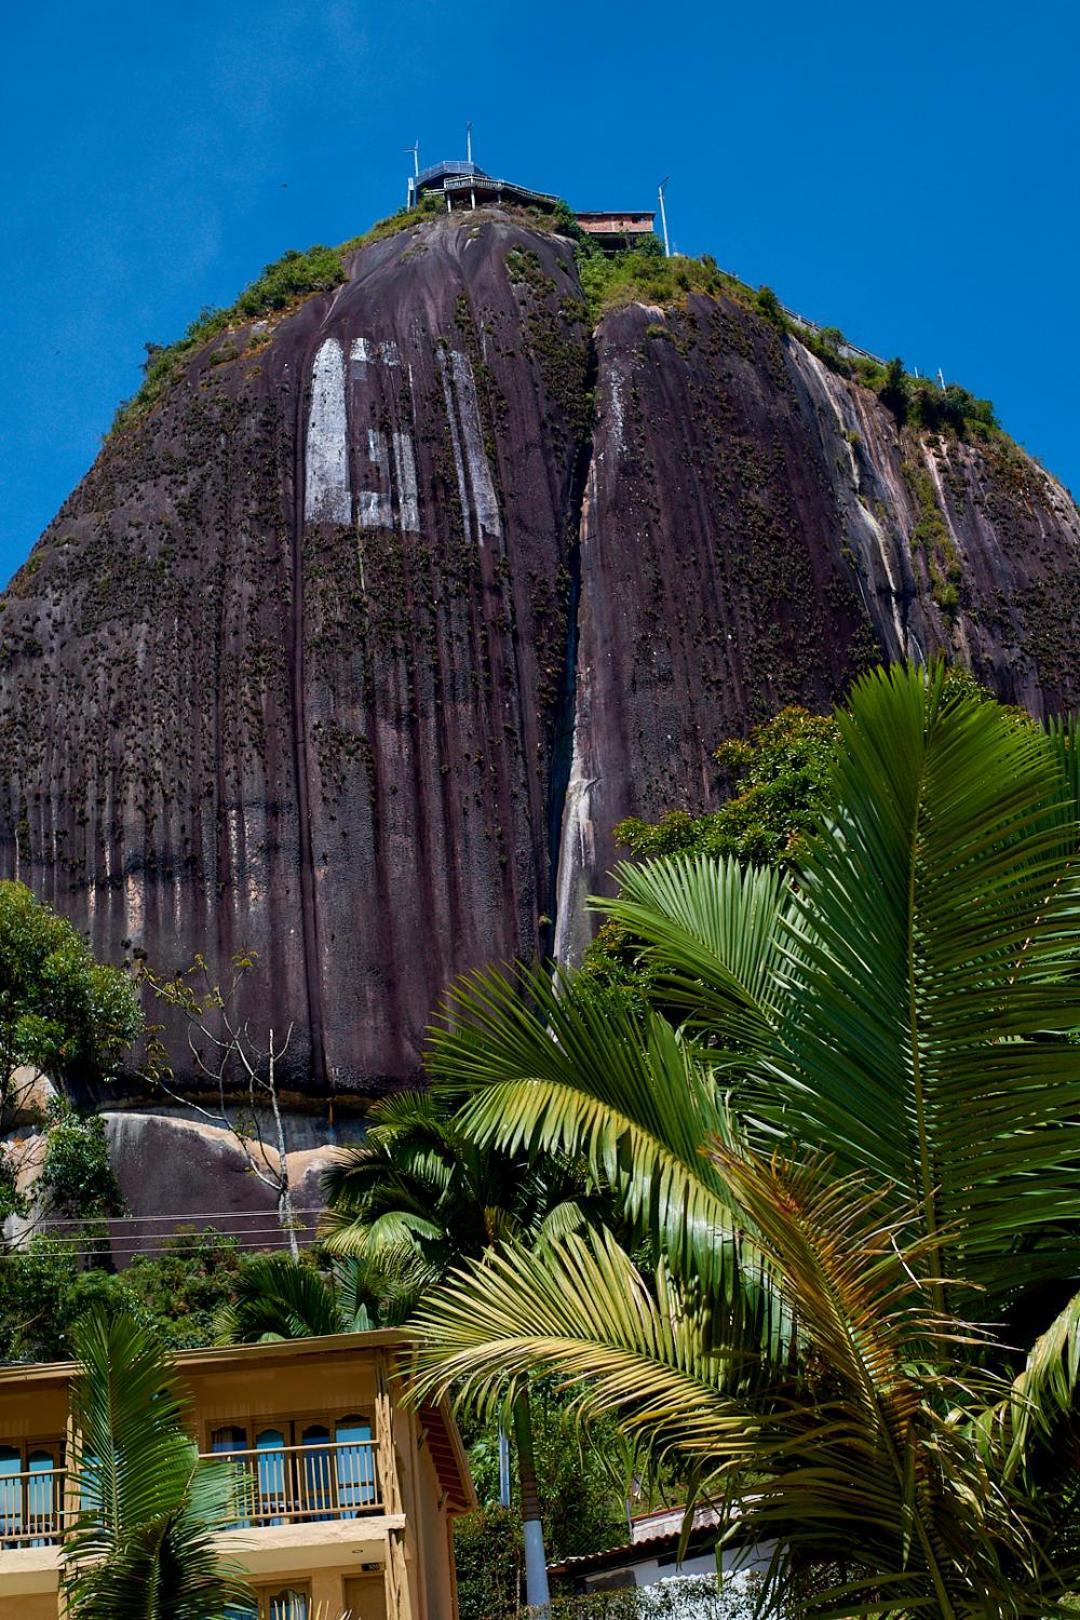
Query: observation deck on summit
(465, 184)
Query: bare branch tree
(242, 1073)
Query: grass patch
(644, 276)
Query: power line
(195, 1215)
(116, 1252)
(125, 1238)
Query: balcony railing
(322, 1480)
(32, 1508)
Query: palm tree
(277, 1298)
(856, 1158)
(143, 1544)
(420, 1197)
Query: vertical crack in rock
(570, 839)
(326, 499)
(571, 830)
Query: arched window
(230, 1438)
(42, 1504)
(355, 1465)
(225, 1442)
(11, 1489)
(318, 1473)
(288, 1604)
(272, 1499)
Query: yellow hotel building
(351, 1497)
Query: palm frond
(712, 929)
(547, 1071)
(279, 1298)
(149, 1509)
(1042, 1399)
(872, 1445)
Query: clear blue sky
(907, 172)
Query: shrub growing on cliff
(780, 776)
(645, 276)
(60, 1010)
(77, 1180)
(769, 305)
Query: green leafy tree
(46, 1288)
(143, 1545)
(487, 1556)
(60, 1011)
(856, 1163)
(771, 307)
(779, 777)
(77, 1181)
(584, 1488)
(179, 1291)
(893, 390)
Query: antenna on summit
(663, 215)
(414, 177)
(468, 141)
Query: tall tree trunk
(536, 1581)
(286, 1219)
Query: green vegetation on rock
(644, 276)
(780, 777)
(76, 1181)
(932, 539)
(60, 1011)
(282, 284)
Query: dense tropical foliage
(49, 1284)
(849, 1153)
(419, 1197)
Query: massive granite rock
(352, 650)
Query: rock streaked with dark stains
(282, 674)
(311, 662)
(750, 536)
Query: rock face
(353, 650)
